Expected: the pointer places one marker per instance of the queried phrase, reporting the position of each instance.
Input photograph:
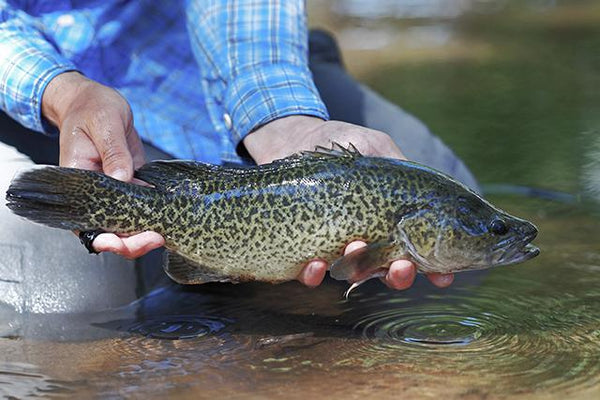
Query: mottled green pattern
(266, 222)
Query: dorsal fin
(336, 150)
(170, 173)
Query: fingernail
(312, 267)
(405, 273)
(120, 174)
(445, 279)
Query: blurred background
(511, 85)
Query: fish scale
(266, 222)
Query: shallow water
(512, 90)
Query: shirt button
(228, 122)
(65, 20)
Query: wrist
(60, 94)
(274, 139)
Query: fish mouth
(517, 250)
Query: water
(513, 89)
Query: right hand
(97, 133)
(285, 136)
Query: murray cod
(266, 222)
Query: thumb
(111, 142)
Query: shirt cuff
(41, 124)
(25, 98)
(265, 93)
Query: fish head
(461, 231)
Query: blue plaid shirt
(199, 75)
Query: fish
(266, 222)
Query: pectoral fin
(362, 263)
(187, 272)
(380, 273)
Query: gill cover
(414, 238)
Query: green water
(527, 113)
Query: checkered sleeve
(253, 56)
(27, 63)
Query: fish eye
(498, 227)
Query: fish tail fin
(68, 198)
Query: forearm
(29, 62)
(253, 60)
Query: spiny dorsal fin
(336, 150)
(170, 173)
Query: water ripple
(178, 326)
(21, 380)
(538, 342)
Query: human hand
(97, 133)
(289, 135)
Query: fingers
(357, 244)
(129, 247)
(137, 149)
(395, 152)
(110, 138)
(77, 150)
(313, 273)
(401, 275)
(441, 280)
(96, 126)
(382, 145)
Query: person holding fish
(222, 82)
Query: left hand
(97, 133)
(289, 135)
